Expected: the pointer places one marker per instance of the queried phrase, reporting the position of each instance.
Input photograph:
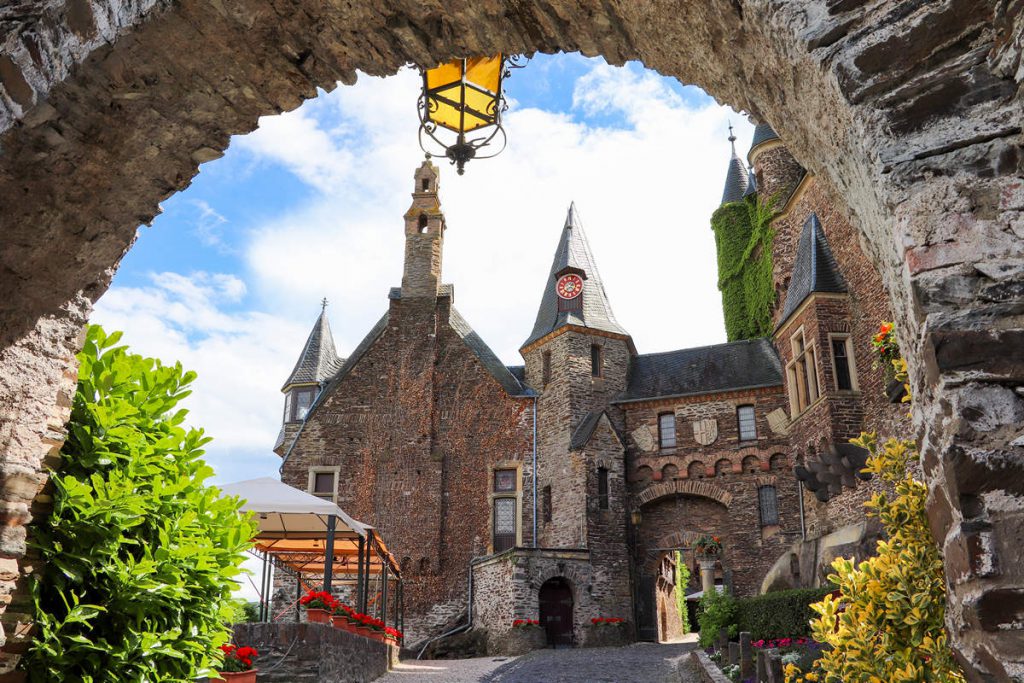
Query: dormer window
(297, 403)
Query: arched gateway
(911, 111)
(555, 605)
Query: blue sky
(229, 277)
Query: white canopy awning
(285, 512)
(293, 528)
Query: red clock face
(569, 286)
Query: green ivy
(139, 554)
(682, 581)
(743, 235)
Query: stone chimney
(424, 237)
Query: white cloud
(645, 190)
(241, 359)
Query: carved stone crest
(778, 421)
(705, 431)
(643, 438)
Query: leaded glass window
(769, 503)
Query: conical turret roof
(319, 360)
(573, 255)
(814, 270)
(736, 179)
(762, 133)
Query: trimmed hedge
(779, 614)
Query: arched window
(643, 474)
(423, 222)
(751, 464)
(669, 472)
(777, 461)
(425, 184)
(695, 470)
(602, 488)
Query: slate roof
(814, 269)
(585, 430)
(736, 180)
(762, 133)
(741, 364)
(573, 252)
(519, 372)
(505, 377)
(319, 360)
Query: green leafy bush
(139, 552)
(716, 611)
(779, 614)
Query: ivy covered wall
(743, 234)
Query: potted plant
(392, 635)
(341, 615)
(887, 351)
(238, 664)
(319, 606)
(606, 632)
(708, 547)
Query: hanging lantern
(461, 104)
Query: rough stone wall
(562, 405)
(910, 110)
(611, 590)
(314, 653)
(776, 171)
(507, 587)
(416, 427)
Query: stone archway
(910, 111)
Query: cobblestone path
(639, 663)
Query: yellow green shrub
(887, 624)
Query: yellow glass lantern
(462, 97)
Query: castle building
(568, 488)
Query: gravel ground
(640, 663)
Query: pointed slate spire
(736, 179)
(762, 133)
(318, 360)
(814, 270)
(573, 256)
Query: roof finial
(732, 139)
(323, 305)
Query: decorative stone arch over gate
(910, 111)
(701, 488)
(578, 575)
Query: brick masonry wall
(676, 489)
(416, 429)
(314, 653)
(837, 417)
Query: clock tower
(577, 359)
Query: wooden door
(556, 611)
(646, 609)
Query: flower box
(236, 676)
(318, 616)
(606, 632)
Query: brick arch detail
(685, 487)
(576, 576)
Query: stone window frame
(661, 432)
(516, 495)
(291, 402)
(761, 506)
(851, 362)
(323, 469)
(596, 361)
(800, 401)
(604, 500)
(739, 422)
